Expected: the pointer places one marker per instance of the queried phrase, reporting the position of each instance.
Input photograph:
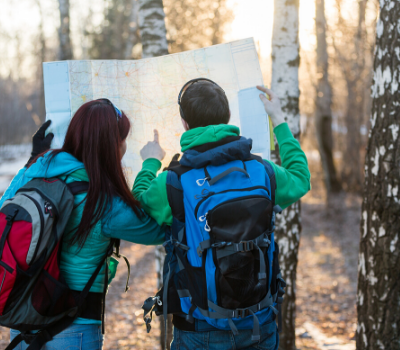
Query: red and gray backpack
(33, 293)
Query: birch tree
(285, 83)
(152, 28)
(154, 43)
(378, 296)
(323, 112)
(64, 31)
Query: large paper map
(147, 90)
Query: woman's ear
(185, 124)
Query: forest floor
(326, 279)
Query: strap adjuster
(246, 246)
(10, 217)
(27, 337)
(202, 247)
(282, 281)
(262, 276)
(219, 245)
(241, 313)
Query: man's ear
(185, 124)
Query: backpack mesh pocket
(236, 278)
(51, 297)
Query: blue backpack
(221, 270)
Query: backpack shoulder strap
(175, 191)
(270, 171)
(78, 187)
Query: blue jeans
(223, 340)
(75, 337)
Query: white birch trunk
(152, 28)
(64, 31)
(378, 295)
(285, 83)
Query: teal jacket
(78, 265)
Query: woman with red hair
(92, 151)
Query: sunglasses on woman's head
(118, 112)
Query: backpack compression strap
(78, 187)
(175, 191)
(271, 174)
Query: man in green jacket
(206, 115)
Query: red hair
(94, 137)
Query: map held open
(147, 91)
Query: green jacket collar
(80, 174)
(212, 133)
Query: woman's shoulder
(77, 175)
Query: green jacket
(292, 178)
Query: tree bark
(154, 43)
(353, 64)
(133, 29)
(378, 296)
(64, 31)
(152, 28)
(285, 83)
(323, 112)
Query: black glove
(174, 162)
(40, 142)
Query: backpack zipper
(6, 267)
(225, 191)
(2, 282)
(54, 208)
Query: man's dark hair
(204, 103)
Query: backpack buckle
(241, 313)
(246, 246)
(28, 337)
(219, 245)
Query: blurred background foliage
(30, 33)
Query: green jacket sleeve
(293, 177)
(151, 191)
